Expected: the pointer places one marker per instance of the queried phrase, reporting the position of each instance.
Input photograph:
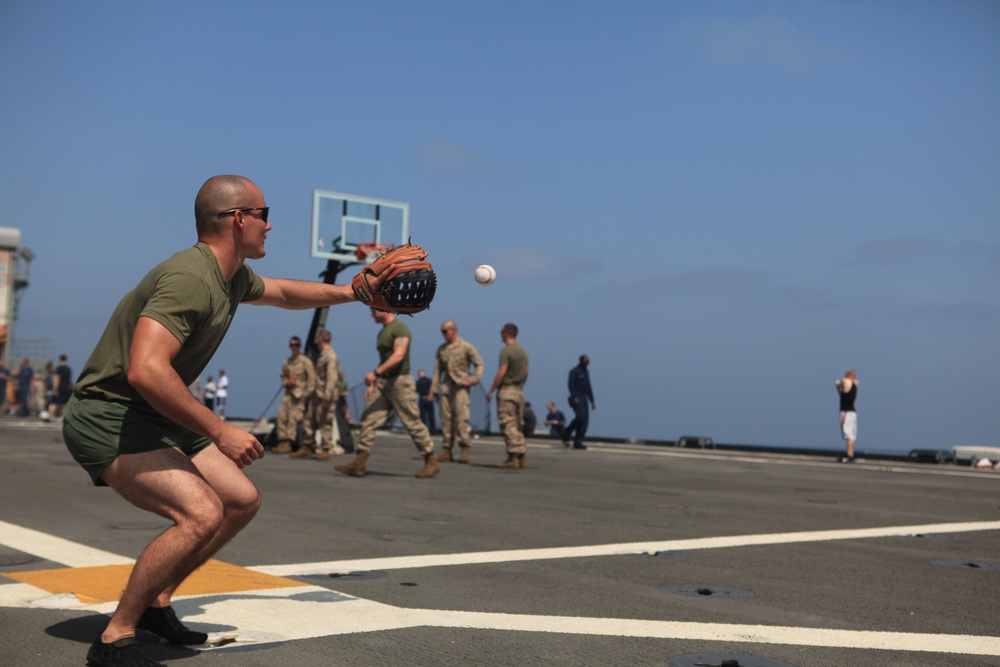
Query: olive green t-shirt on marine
(190, 297)
(517, 365)
(386, 343)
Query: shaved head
(220, 193)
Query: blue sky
(725, 204)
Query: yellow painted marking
(93, 585)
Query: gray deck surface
(585, 558)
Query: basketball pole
(333, 267)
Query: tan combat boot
(323, 455)
(511, 462)
(445, 456)
(301, 453)
(430, 467)
(521, 461)
(464, 456)
(355, 468)
(283, 447)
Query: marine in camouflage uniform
(321, 403)
(451, 381)
(510, 380)
(298, 378)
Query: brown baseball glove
(408, 287)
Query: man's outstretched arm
(302, 294)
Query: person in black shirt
(425, 400)
(62, 389)
(847, 388)
(580, 394)
(555, 420)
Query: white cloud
(448, 157)
(769, 40)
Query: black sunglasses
(264, 210)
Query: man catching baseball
(133, 424)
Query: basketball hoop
(368, 252)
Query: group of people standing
(26, 393)
(314, 395)
(389, 388)
(311, 391)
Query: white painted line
(761, 634)
(473, 558)
(56, 549)
(297, 613)
(278, 615)
(284, 614)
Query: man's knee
(204, 519)
(245, 506)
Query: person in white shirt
(221, 392)
(210, 389)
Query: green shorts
(96, 432)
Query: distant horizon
(270, 415)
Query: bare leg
(240, 502)
(208, 503)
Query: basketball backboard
(341, 222)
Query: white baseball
(485, 274)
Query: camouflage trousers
(454, 406)
(319, 417)
(399, 394)
(510, 415)
(291, 411)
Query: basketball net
(369, 252)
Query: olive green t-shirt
(386, 342)
(188, 295)
(517, 365)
